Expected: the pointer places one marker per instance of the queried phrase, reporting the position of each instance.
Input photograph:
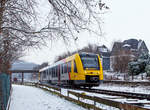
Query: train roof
(68, 59)
(87, 54)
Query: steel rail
(118, 93)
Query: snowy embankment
(125, 88)
(31, 98)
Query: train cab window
(75, 67)
(90, 61)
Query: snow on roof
(126, 45)
(140, 43)
(103, 49)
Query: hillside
(20, 64)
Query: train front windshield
(90, 62)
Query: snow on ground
(31, 98)
(109, 75)
(127, 88)
(110, 97)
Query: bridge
(23, 71)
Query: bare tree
(121, 60)
(89, 48)
(66, 18)
(38, 67)
(70, 16)
(16, 30)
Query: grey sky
(126, 19)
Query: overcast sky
(126, 19)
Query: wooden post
(39, 76)
(142, 76)
(60, 91)
(94, 104)
(67, 93)
(132, 76)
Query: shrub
(147, 70)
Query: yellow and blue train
(80, 69)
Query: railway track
(127, 103)
(118, 93)
(111, 92)
(130, 83)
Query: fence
(5, 86)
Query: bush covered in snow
(141, 65)
(134, 68)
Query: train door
(75, 70)
(69, 70)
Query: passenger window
(61, 69)
(69, 66)
(75, 67)
(65, 67)
(52, 72)
(56, 71)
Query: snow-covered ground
(109, 75)
(125, 88)
(32, 98)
